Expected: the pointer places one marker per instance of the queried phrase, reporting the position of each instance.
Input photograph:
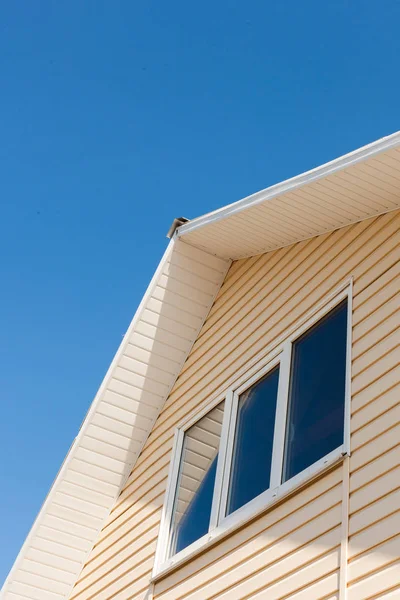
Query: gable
(167, 324)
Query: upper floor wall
(308, 545)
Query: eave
(354, 187)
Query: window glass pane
(194, 494)
(252, 454)
(315, 420)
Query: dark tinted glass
(315, 418)
(252, 454)
(195, 489)
(196, 520)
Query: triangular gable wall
(355, 187)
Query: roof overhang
(352, 188)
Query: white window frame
(221, 525)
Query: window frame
(280, 355)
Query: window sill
(263, 503)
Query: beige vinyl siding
(374, 526)
(293, 550)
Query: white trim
(280, 419)
(344, 542)
(281, 355)
(329, 168)
(220, 476)
(272, 364)
(349, 349)
(166, 515)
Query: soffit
(357, 186)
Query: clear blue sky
(117, 117)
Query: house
(245, 442)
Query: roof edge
(333, 166)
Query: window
(196, 480)
(280, 425)
(315, 420)
(253, 439)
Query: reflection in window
(252, 454)
(315, 420)
(193, 500)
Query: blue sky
(117, 117)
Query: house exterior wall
(305, 547)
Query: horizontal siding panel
(42, 583)
(62, 537)
(45, 558)
(372, 470)
(378, 532)
(373, 282)
(374, 560)
(59, 522)
(378, 351)
(160, 348)
(132, 579)
(152, 359)
(377, 488)
(378, 292)
(277, 524)
(157, 374)
(203, 258)
(381, 366)
(82, 493)
(58, 549)
(172, 312)
(91, 483)
(132, 398)
(375, 319)
(374, 512)
(139, 381)
(32, 593)
(185, 290)
(108, 450)
(375, 448)
(374, 586)
(49, 572)
(302, 580)
(167, 324)
(268, 566)
(146, 517)
(170, 298)
(374, 390)
(103, 434)
(378, 426)
(65, 519)
(191, 278)
(149, 487)
(203, 271)
(127, 558)
(367, 414)
(99, 472)
(389, 325)
(101, 460)
(165, 337)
